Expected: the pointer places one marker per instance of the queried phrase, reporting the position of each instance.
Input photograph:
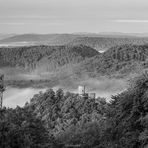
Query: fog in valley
(18, 97)
(103, 88)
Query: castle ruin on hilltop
(82, 93)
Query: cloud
(130, 21)
(28, 17)
(31, 23)
(12, 24)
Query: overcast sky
(66, 16)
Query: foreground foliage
(20, 128)
(58, 119)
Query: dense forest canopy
(120, 60)
(59, 119)
(104, 43)
(32, 55)
(71, 63)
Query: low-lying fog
(103, 88)
(18, 96)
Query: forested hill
(81, 122)
(55, 119)
(31, 57)
(96, 41)
(104, 43)
(117, 60)
(78, 60)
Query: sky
(71, 16)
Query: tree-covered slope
(104, 43)
(55, 119)
(78, 122)
(21, 128)
(69, 117)
(120, 60)
(78, 60)
(50, 57)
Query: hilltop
(119, 60)
(42, 59)
(58, 119)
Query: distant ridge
(4, 36)
(38, 39)
(100, 42)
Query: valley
(20, 92)
(73, 74)
(37, 67)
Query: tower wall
(92, 95)
(81, 90)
